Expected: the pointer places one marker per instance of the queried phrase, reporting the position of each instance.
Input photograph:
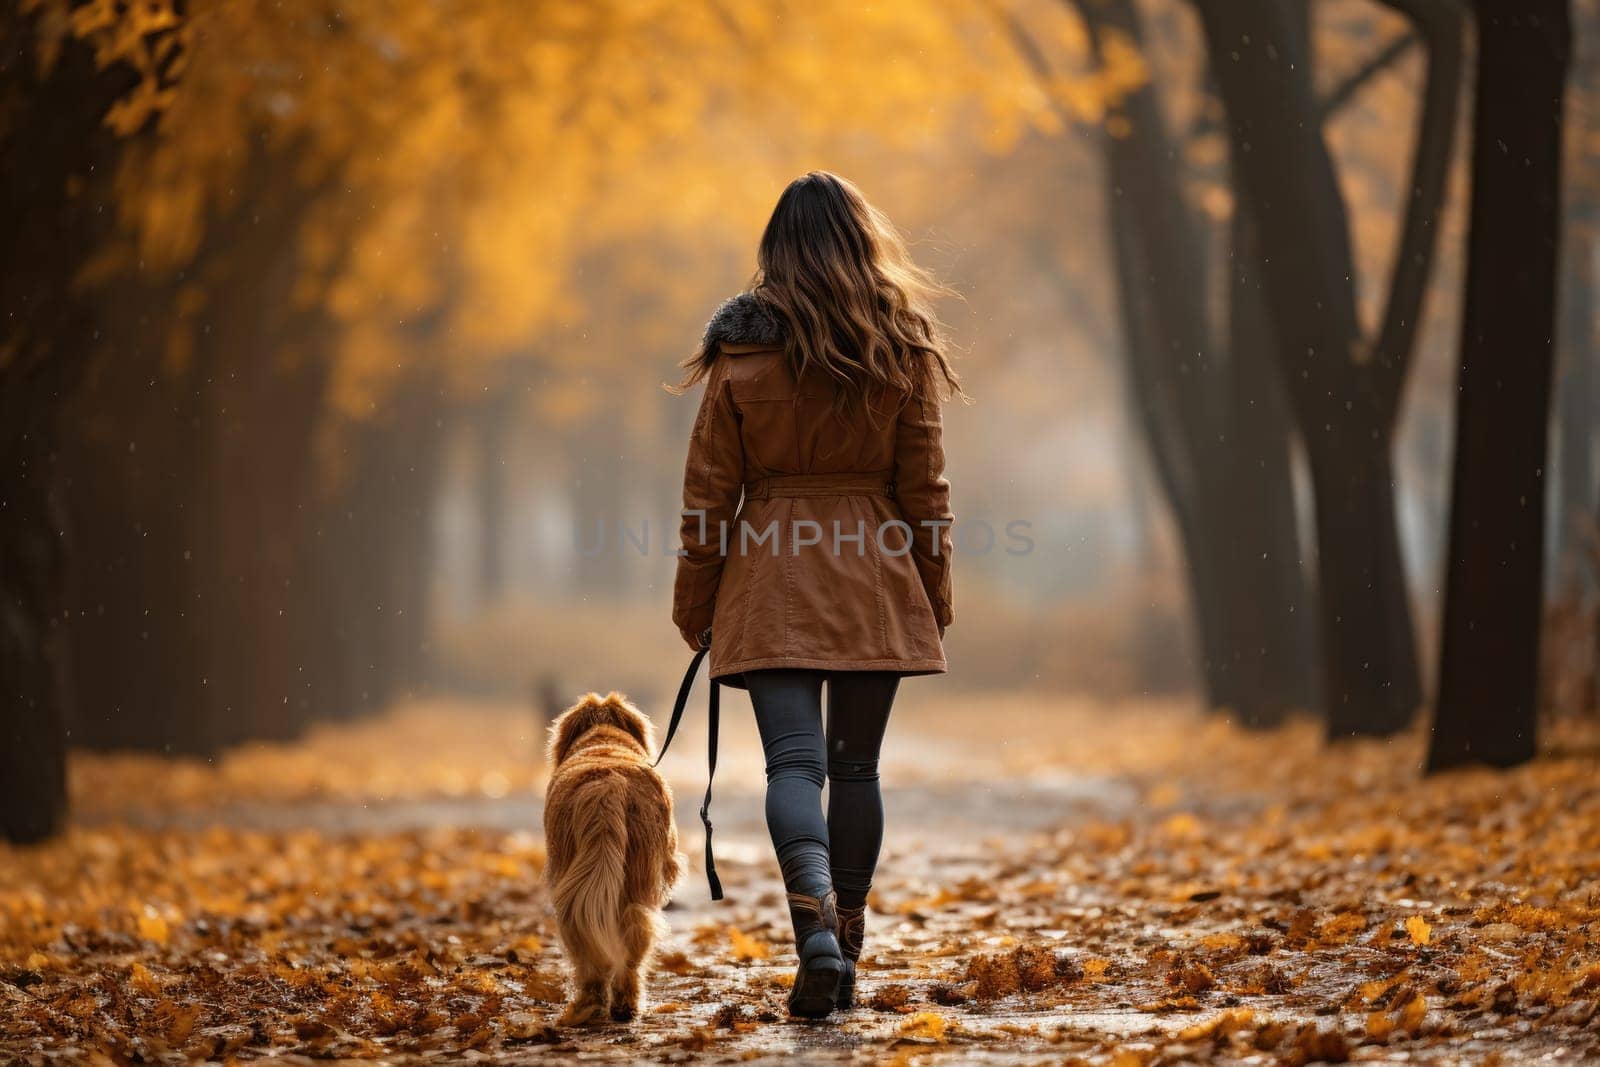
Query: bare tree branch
(1439, 23)
(1346, 91)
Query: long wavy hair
(835, 272)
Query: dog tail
(589, 894)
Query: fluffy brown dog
(613, 852)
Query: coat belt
(846, 483)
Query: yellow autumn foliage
(456, 163)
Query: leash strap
(683, 702)
(711, 754)
(711, 772)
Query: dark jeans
(840, 850)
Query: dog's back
(608, 832)
(612, 851)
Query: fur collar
(742, 320)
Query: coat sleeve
(924, 496)
(713, 479)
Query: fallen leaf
(746, 948)
(927, 1026)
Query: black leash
(711, 754)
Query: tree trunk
(1226, 476)
(1171, 443)
(1572, 544)
(1344, 410)
(377, 549)
(1367, 639)
(603, 553)
(1275, 644)
(133, 475)
(418, 460)
(262, 614)
(53, 151)
(33, 785)
(493, 425)
(1488, 672)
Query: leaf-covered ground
(1067, 882)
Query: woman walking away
(816, 538)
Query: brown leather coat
(810, 539)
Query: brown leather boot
(816, 982)
(852, 931)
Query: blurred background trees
(334, 339)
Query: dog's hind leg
(592, 999)
(639, 931)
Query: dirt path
(1061, 880)
(952, 811)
